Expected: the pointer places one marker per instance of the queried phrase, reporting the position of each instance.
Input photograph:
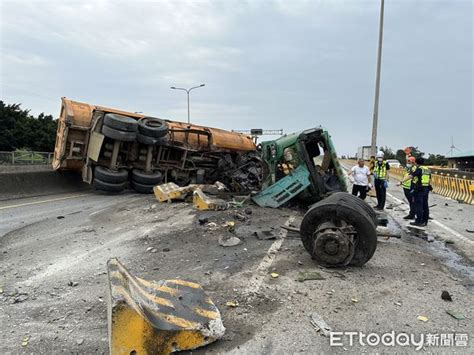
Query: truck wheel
(351, 199)
(108, 186)
(142, 188)
(112, 176)
(120, 122)
(118, 135)
(153, 127)
(337, 234)
(147, 178)
(147, 140)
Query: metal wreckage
(115, 149)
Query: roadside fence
(25, 157)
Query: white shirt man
(362, 182)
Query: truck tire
(118, 135)
(153, 127)
(147, 178)
(108, 186)
(147, 140)
(142, 188)
(365, 242)
(113, 176)
(351, 199)
(120, 122)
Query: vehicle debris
(72, 283)
(229, 241)
(309, 275)
(423, 318)
(274, 275)
(232, 304)
(455, 314)
(264, 234)
(318, 322)
(446, 296)
(158, 317)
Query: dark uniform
(380, 179)
(421, 189)
(409, 192)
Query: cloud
(271, 64)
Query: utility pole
(187, 92)
(377, 84)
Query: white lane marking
(439, 224)
(42, 201)
(262, 270)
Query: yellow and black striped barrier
(460, 189)
(158, 317)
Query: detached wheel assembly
(338, 232)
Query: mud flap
(158, 317)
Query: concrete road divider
(158, 317)
(30, 181)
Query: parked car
(394, 163)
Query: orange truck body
(77, 121)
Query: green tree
(401, 156)
(436, 159)
(388, 153)
(19, 129)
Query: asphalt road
(47, 242)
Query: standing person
(381, 169)
(421, 187)
(362, 181)
(407, 188)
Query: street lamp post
(377, 84)
(187, 92)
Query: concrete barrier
(20, 182)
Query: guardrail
(447, 184)
(24, 157)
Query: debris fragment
(149, 248)
(227, 241)
(25, 341)
(422, 264)
(470, 230)
(136, 306)
(397, 304)
(423, 318)
(60, 217)
(203, 220)
(446, 296)
(309, 275)
(354, 300)
(212, 226)
(166, 250)
(430, 239)
(455, 314)
(230, 226)
(79, 341)
(318, 322)
(72, 283)
(264, 234)
(248, 211)
(232, 304)
(274, 275)
(386, 232)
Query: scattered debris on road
(455, 314)
(446, 296)
(318, 322)
(423, 318)
(309, 275)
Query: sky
(266, 64)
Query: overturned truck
(114, 149)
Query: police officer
(421, 187)
(381, 180)
(406, 184)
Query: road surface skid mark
(158, 317)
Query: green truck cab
(338, 229)
(302, 164)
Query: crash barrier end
(158, 317)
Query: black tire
(122, 123)
(153, 127)
(142, 188)
(113, 176)
(147, 140)
(108, 186)
(351, 199)
(118, 135)
(327, 210)
(143, 177)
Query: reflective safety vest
(380, 170)
(407, 183)
(425, 177)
